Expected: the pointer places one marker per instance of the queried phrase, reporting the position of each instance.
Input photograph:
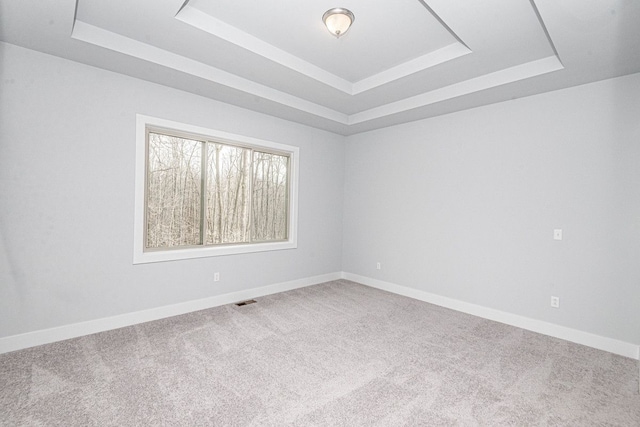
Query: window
(201, 192)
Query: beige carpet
(335, 354)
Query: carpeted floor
(335, 354)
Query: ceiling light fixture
(338, 20)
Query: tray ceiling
(401, 60)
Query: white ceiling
(402, 60)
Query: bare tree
(175, 195)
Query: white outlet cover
(557, 234)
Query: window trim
(141, 256)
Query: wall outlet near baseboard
(378, 266)
(555, 302)
(216, 277)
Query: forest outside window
(208, 193)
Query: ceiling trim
(421, 63)
(205, 22)
(109, 40)
(543, 26)
(476, 84)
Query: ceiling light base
(338, 20)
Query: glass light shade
(338, 20)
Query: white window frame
(141, 256)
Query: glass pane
(270, 197)
(227, 194)
(173, 191)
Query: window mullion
(203, 192)
(250, 239)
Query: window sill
(143, 257)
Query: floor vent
(247, 302)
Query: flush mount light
(338, 20)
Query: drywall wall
(461, 205)
(67, 152)
(464, 206)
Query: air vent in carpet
(247, 302)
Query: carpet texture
(334, 354)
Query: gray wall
(67, 151)
(464, 206)
(461, 205)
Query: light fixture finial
(338, 20)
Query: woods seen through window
(203, 192)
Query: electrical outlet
(557, 234)
(216, 277)
(378, 266)
(555, 302)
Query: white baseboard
(585, 338)
(46, 336)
